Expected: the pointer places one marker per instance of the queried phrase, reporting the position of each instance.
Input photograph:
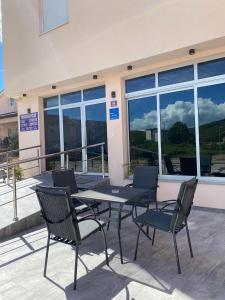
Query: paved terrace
(152, 276)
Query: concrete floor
(152, 276)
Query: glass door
(72, 136)
(96, 132)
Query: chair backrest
(145, 177)
(188, 166)
(169, 165)
(205, 162)
(58, 213)
(65, 178)
(184, 203)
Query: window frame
(82, 105)
(157, 91)
(41, 19)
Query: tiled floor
(152, 276)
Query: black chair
(145, 177)
(66, 178)
(169, 166)
(170, 220)
(188, 166)
(62, 223)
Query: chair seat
(87, 227)
(155, 219)
(83, 207)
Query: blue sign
(29, 122)
(114, 113)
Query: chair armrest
(85, 203)
(129, 185)
(166, 205)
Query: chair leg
(176, 253)
(189, 240)
(136, 248)
(135, 208)
(110, 211)
(46, 255)
(153, 236)
(75, 268)
(105, 245)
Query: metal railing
(13, 166)
(9, 152)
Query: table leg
(118, 229)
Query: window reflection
(70, 98)
(94, 93)
(72, 136)
(211, 68)
(140, 83)
(96, 133)
(176, 75)
(178, 133)
(211, 104)
(51, 102)
(143, 132)
(52, 139)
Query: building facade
(145, 77)
(8, 119)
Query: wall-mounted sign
(114, 113)
(113, 103)
(29, 122)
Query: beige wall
(102, 35)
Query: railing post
(39, 165)
(103, 161)
(14, 194)
(7, 160)
(67, 160)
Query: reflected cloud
(181, 111)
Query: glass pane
(72, 136)
(52, 139)
(71, 98)
(140, 83)
(51, 102)
(211, 105)
(96, 133)
(176, 75)
(178, 133)
(94, 93)
(211, 68)
(143, 132)
(54, 14)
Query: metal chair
(170, 220)
(169, 166)
(63, 224)
(66, 178)
(145, 177)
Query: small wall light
(24, 95)
(191, 51)
(113, 94)
(53, 87)
(95, 76)
(28, 110)
(130, 67)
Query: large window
(211, 103)
(75, 120)
(178, 133)
(54, 13)
(143, 131)
(182, 126)
(52, 137)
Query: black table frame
(142, 193)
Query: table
(114, 194)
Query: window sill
(179, 179)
